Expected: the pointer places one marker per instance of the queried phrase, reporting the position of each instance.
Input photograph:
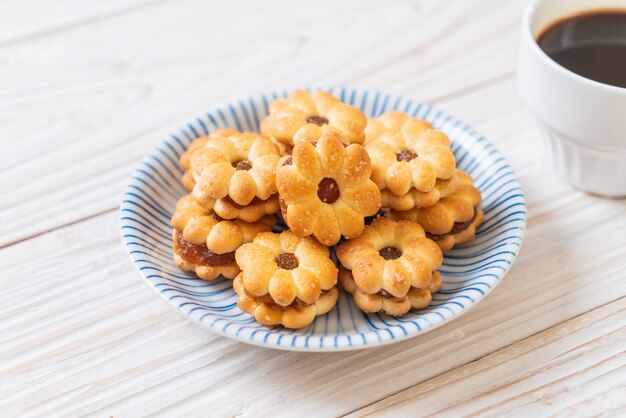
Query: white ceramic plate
(469, 271)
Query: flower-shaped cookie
(319, 110)
(391, 256)
(228, 209)
(296, 315)
(407, 153)
(198, 143)
(240, 166)
(416, 298)
(285, 279)
(327, 190)
(205, 243)
(453, 219)
(416, 199)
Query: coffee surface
(592, 45)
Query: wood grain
(87, 91)
(80, 108)
(28, 21)
(577, 368)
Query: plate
(469, 271)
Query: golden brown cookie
(239, 166)
(388, 260)
(285, 280)
(185, 158)
(296, 315)
(453, 219)
(466, 233)
(326, 189)
(407, 153)
(416, 199)
(227, 208)
(317, 111)
(206, 243)
(416, 298)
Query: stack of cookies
(391, 267)
(416, 172)
(205, 243)
(285, 280)
(324, 168)
(233, 174)
(451, 220)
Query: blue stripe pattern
(469, 271)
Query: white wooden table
(87, 88)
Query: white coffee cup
(583, 121)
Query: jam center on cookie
(242, 165)
(216, 217)
(457, 228)
(328, 190)
(287, 261)
(390, 253)
(461, 226)
(297, 303)
(236, 205)
(200, 254)
(406, 155)
(318, 120)
(267, 300)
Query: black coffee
(592, 45)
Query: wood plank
(114, 88)
(80, 334)
(26, 21)
(577, 368)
